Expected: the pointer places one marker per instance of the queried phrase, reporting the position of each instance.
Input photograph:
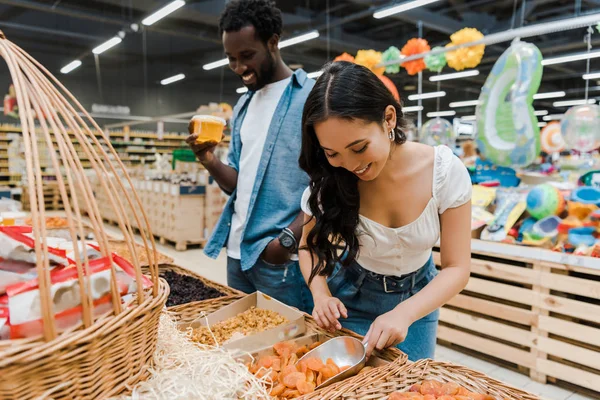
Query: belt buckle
(385, 287)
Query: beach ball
(580, 128)
(436, 132)
(552, 139)
(545, 200)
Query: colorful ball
(545, 200)
(438, 131)
(581, 128)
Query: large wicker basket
(105, 353)
(398, 376)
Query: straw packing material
(186, 370)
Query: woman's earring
(392, 135)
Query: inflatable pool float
(586, 195)
(551, 138)
(508, 132)
(583, 235)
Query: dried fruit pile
(251, 321)
(185, 289)
(434, 390)
(290, 378)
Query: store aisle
(196, 261)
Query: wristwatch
(288, 240)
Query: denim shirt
(279, 184)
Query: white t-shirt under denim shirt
(253, 133)
(400, 251)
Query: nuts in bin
(251, 321)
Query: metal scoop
(343, 350)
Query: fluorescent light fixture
(284, 43)
(70, 66)
(469, 118)
(408, 5)
(163, 12)
(469, 103)
(542, 124)
(568, 103)
(456, 75)
(593, 75)
(441, 114)
(107, 45)
(241, 90)
(540, 113)
(571, 58)
(299, 39)
(424, 96)
(215, 64)
(412, 109)
(553, 117)
(315, 74)
(549, 95)
(172, 79)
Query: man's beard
(265, 75)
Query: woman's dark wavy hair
(349, 91)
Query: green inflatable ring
(507, 128)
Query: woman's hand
(387, 330)
(327, 312)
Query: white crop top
(399, 251)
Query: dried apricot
(305, 387)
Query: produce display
(185, 289)
(251, 321)
(435, 390)
(289, 378)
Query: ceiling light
(469, 103)
(423, 96)
(549, 95)
(441, 114)
(284, 43)
(412, 109)
(215, 64)
(542, 124)
(315, 74)
(568, 103)
(469, 118)
(540, 113)
(553, 117)
(163, 12)
(456, 75)
(571, 58)
(241, 90)
(409, 5)
(70, 66)
(299, 39)
(593, 75)
(172, 79)
(107, 45)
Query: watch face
(286, 241)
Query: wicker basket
(121, 247)
(400, 377)
(226, 290)
(105, 353)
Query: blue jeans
(283, 282)
(365, 298)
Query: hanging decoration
(435, 62)
(552, 139)
(369, 59)
(391, 54)
(508, 133)
(344, 57)
(390, 85)
(580, 128)
(412, 47)
(465, 57)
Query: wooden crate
(530, 308)
(52, 197)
